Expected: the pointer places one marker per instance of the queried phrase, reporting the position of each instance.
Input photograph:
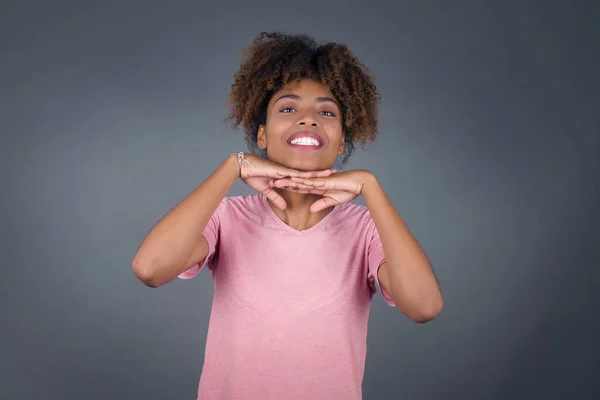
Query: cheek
(278, 126)
(277, 122)
(334, 132)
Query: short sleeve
(375, 259)
(211, 233)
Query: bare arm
(176, 242)
(407, 274)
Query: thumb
(322, 204)
(275, 198)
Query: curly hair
(275, 59)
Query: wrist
(370, 182)
(231, 164)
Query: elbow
(146, 274)
(426, 313)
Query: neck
(297, 214)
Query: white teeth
(305, 142)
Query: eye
(287, 110)
(328, 113)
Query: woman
(295, 265)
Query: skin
(407, 274)
(301, 190)
(304, 104)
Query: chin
(306, 165)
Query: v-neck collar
(316, 227)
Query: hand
(339, 188)
(261, 172)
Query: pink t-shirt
(290, 308)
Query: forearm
(412, 282)
(170, 243)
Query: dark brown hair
(275, 59)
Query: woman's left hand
(339, 188)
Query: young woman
(295, 265)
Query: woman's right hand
(261, 172)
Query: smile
(307, 140)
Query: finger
(282, 172)
(301, 191)
(325, 173)
(322, 204)
(272, 171)
(305, 187)
(316, 174)
(305, 191)
(260, 173)
(315, 182)
(275, 198)
(281, 183)
(308, 174)
(288, 183)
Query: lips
(306, 134)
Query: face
(304, 127)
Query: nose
(307, 119)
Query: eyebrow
(296, 97)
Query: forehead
(305, 88)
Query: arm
(406, 275)
(175, 243)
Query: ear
(341, 146)
(261, 138)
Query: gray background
(113, 111)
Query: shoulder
(253, 201)
(241, 206)
(355, 216)
(353, 211)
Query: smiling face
(303, 128)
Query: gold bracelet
(240, 158)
